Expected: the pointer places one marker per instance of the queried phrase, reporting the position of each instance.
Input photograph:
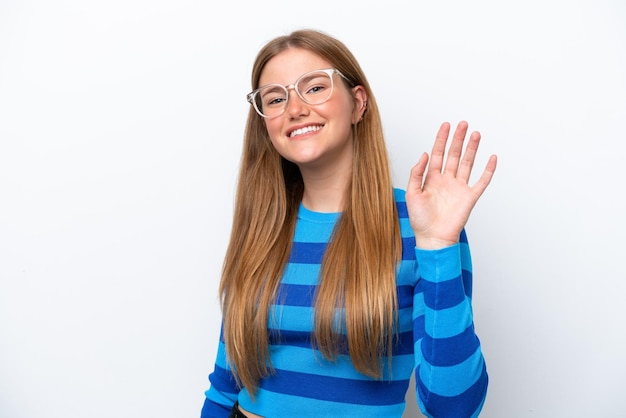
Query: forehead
(290, 64)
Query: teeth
(305, 130)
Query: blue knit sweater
(436, 340)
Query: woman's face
(314, 137)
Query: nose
(295, 106)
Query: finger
(487, 175)
(439, 148)
(467, 163)
(416, 179)
(456, 149)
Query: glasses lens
(271, 100)
(315, 88)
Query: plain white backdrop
(120, 131)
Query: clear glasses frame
(253, 95)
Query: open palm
(440, 200)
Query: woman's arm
(223, 391)
(451, 376)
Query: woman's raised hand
(440, 200)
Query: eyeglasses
(314, 88)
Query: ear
(360, 103)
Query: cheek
(344, 108)
(273, 127)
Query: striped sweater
(436, 340)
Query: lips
(305, 130)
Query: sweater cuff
(439, 265)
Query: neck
(325, 192)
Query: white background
(121, 125)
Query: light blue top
(436, 340)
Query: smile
(305, 130)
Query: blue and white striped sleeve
(451, 375)
(223, 390)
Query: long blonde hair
(358, 270)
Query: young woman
(336, 286)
